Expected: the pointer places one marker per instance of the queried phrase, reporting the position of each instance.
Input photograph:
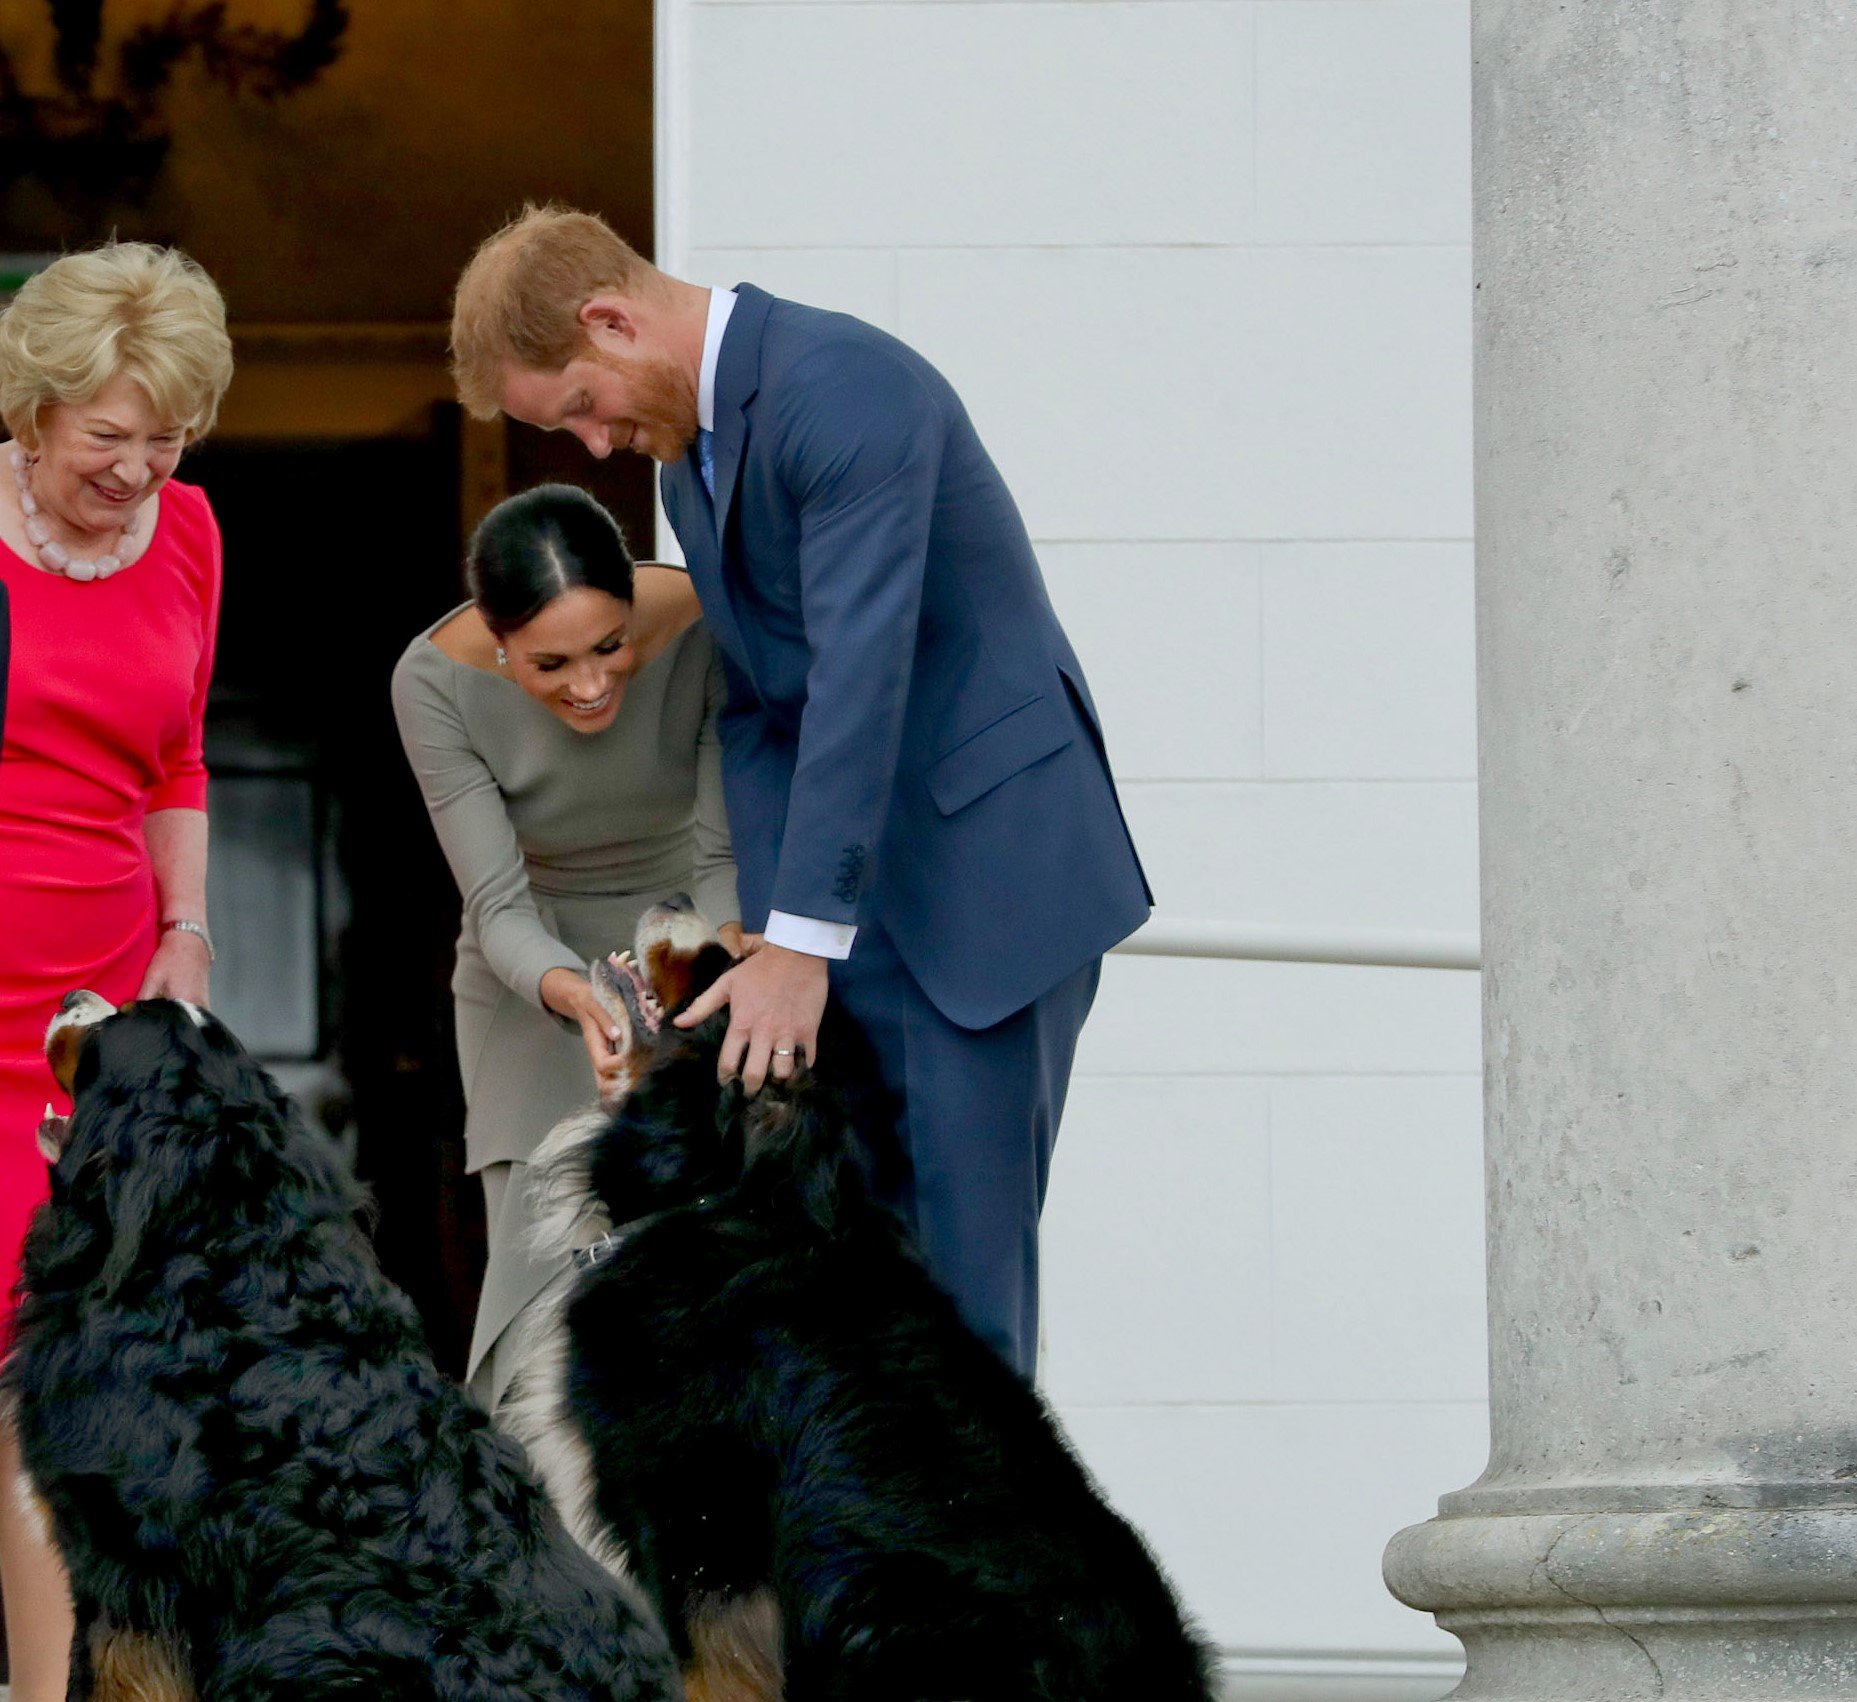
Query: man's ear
(608, 316)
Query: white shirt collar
(721, 305)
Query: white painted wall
(1200, 269)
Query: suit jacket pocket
(1035, 729)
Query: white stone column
(1666, 229)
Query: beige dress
(558, 841)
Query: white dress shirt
(721, 305)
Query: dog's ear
(800, 1152)
(677, 980)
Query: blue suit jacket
(909, 739)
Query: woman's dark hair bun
(531, 547)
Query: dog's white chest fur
(534, 1408)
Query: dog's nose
(72, 997)
(680, 901)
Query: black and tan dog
(260, 1485)
(822, 1476)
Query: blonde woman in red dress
(111, 362)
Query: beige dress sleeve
(474, 831)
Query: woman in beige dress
(562, 727)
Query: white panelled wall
(1200, 269)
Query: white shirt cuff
(808, 934)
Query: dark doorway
(335, 912)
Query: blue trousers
(979, 1112)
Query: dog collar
(595, 1254)
(592, 1257)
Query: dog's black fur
(776, 1394)
(232, 1416)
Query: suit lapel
(700, 524)
(687, 505)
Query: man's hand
(179, 969)
(775, 1000)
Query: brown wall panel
(360, 194)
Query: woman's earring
(502, 661)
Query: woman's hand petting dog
(775, 1000)
(180, 969)
(571, 995)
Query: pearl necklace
(55, 556)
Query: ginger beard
(658, 402)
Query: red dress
(105, 701)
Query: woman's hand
(180, 969)
(607, 1064)
(571, 995)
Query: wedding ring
(783, 1051)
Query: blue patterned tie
(706, 459)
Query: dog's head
(675, 955)
(816, 1142)
(175, 1133)
(148, 1049)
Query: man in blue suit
(920, 801)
